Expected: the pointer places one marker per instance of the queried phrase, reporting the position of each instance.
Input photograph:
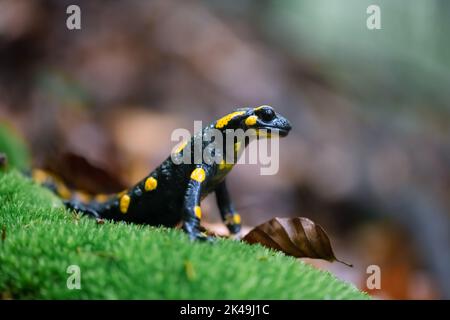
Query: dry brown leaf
(85, 174)
(298, 237)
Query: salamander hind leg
(82, 208)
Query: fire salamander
(171, 194)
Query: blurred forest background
(369, 154)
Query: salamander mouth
(280, 131)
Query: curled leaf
(298, 237)
(85, 174)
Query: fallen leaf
(84, 174)
(298, 237)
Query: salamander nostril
(288, 126)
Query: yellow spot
(121, 193)
(222, 164)
(232, 218)
(263, 133)
(150, 184)
(251, 121)
(63, 191)
(82, 196)
(222, 122)
(101, 197)
(237, 147)
(198, 212)
(260, 107)
(225, 166)
(124, 203)
(180, 147)
(40, 176)
(198, 175)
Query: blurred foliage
(61, 89)
(404, 67)
(14, 147)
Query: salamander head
(263, 117)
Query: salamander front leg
(230, 217)
(191, 209)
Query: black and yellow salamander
(171, 194)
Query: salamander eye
(267, 114)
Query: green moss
(13, 147)
(41, 239)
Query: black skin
(177, 194)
